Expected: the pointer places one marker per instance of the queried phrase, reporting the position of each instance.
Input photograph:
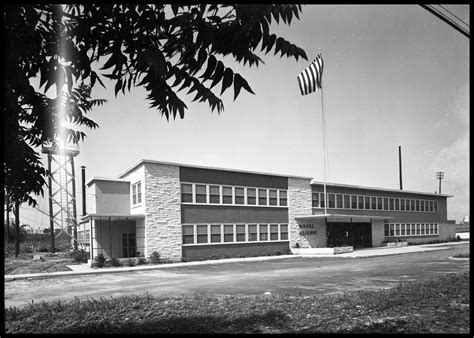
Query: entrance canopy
(342, 218)
(112, 217)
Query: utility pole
(440, 176)
(17, 227)
(400, 165)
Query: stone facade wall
(378, 235)
(163, 211)
(299, 203)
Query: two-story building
(187, 212)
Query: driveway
(307, 276)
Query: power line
(446, 19)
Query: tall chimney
(83, 171)
(400, 165)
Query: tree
(164, 48)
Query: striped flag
(310, 79)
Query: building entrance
(358, 235)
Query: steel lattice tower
(62, 195)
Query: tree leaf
(228, 79)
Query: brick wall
(163, 211)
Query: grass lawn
(436, 306)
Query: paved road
(293, 276)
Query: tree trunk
(17, 228)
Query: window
(347, 201)
(227, 195)
(137, 193)
(251, 196)
(431, 206)
(422, 205)
(367, 202)
(417, 205)
(240, 229)
(186, 193)
(431, 228)
(188, 234)
(262, 196)
(402, 229)
(417, 228)
(263, 230)
(402, 204)
(392, 229)
(353, 202)
(283, 198)
(252, 232)
(331, 201)
(216, 233)
(339, 204)
(361, 202)
(412, 205)
(436, 228)
(273, 197)
(397, 204)
(408, 233)
(284, 232)
(202, 233)
(373, 202)
(239, 196)
(387, 230)
(129, 245)
(201, 194)
(322, 200)
(422, 229)
(315, 199)
(391, 204)
(385, 203)
(397, 229)
(274, 232)
(379, 203)
(214, 194)
(228, 232)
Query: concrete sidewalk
(85, 269)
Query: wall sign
(307, 229)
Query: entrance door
(358, 235)
(129, 245)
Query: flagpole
(324, 144)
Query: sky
(394, 75)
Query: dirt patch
(25, 263)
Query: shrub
(80, 255)
(155, 257)
(130, 262)
(115, 262)
(100, 259)
(142, 261)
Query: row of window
(232, 195)
(233, 233)
(411, 229)
(137, 193)
(343, 201)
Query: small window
(417, 205)
(251, 196)
(347, 201)
(422, 205)
(436, 228)
(397, 229)
(392, 229)
(431, 206)
(367, 202)
(391, 206)
(361, 202)
(214, 194)
(215, 233)
(385, 203)
(202, 233)
(386, 230)
(252, 232)
(228, 232)
(186, 193)
(402, 204)
(373, 202)
(263, 230)
(201, 193)
(239, 196)
(353, 202)
(284, 232)
(240, 230)
(412, 205)
(283, 198)
(262, 196)
(315, 199)
(137, 193)
(339, 204)
(273, 197)
(422, 229)
(322, 200)
(397, 204)
(418, 229)
(227, 195)
(379, 203)
(402, 229)
(274, 232)
(331, 201)
(188, 234)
